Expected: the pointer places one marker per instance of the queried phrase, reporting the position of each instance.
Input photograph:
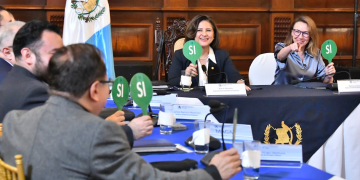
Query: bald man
(7, 58)
(5, 16)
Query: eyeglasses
(109, 82)
(298, 32)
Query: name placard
(192, 112)
(162, 99)
(243, 131)
(348, 86)
(273, 155)
(225, 89)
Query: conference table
(317, 112)
(266, 173)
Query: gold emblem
(212, 67)
(283, 134)
(87, 10)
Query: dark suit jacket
(223, 64)
(21, 90)
(5, 68)
(60, 140)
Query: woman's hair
(312, 46)
(193, 25)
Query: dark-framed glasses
(298, 32)
(109, 82)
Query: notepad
(153, 145)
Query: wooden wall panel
(242, 41)
(342, 36)
(324, 4)
(132, 41)
(28, 15)
(23, 2)
(228, 3)
(57, 3)
(135, 3)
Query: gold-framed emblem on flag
(87, 10)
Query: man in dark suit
(7, 33)
(24, 86)
(5, 67)
(65, 139)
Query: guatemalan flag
(88, 21)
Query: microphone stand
(222, 127)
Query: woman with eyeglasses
(299, 57)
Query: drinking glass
(185, 81)
(166, 118)
(201, 138)
(251, 159)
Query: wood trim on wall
(150, 43)
(258, 38)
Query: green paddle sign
(120, 91)
(141, 91)
(328, 50)
(192, 51)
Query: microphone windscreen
(161, 92)
(294, 82)
(203, 67)
(216, 110)
(214, 104)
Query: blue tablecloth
(179, 137)
(318, 112)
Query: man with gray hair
(7, 58)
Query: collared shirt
(293, 68)
(202, 76)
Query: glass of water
(251, 159)
(166, 118)
(185, 81)
(201, 138)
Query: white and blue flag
(88, 21)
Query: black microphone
(154, 116)
(216, 106)
(296, 81)
(160, 92)
(203, 67)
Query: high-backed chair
(8, 172)
(166, 43)
(262, 69)
(179, 44)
